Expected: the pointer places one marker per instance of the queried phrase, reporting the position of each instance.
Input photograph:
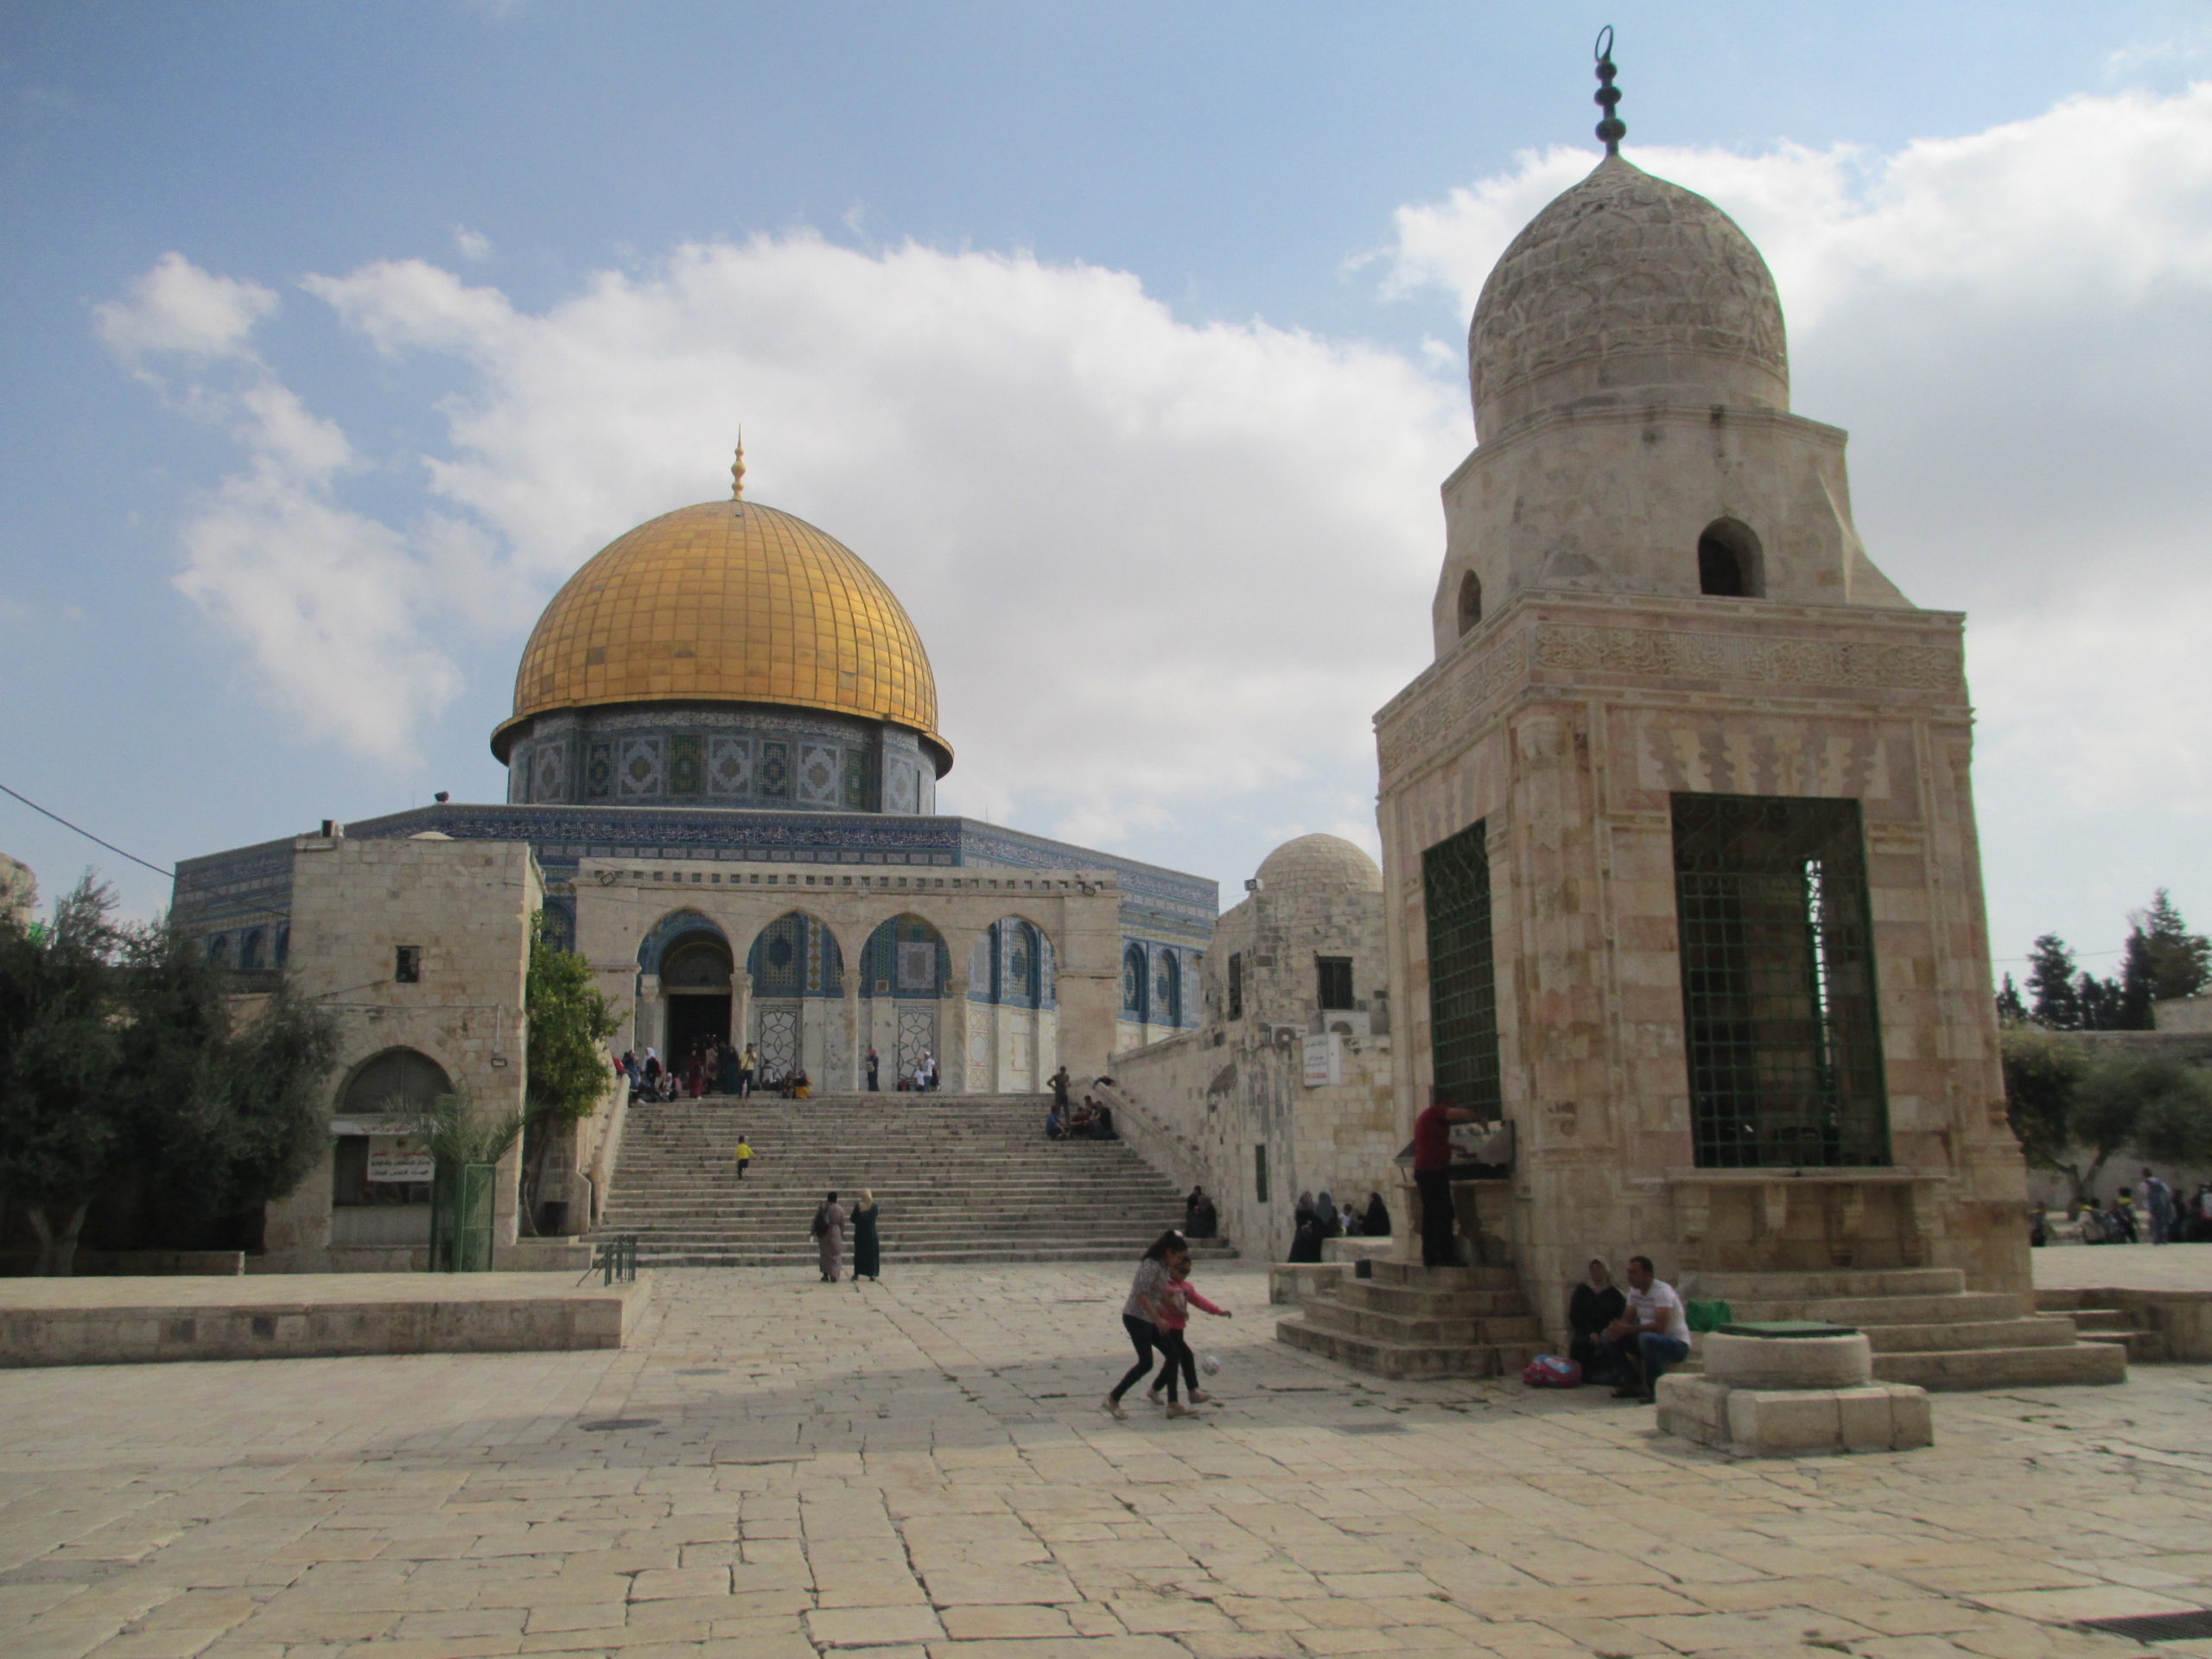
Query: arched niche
(1730, 563)
(1136, 985)
(1471, 602)
(377, 1096)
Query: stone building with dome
(1680, 870)
(728, 701)
(1286, 1085)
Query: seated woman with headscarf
(1596, 1302)
(1326, 1217)
(1376, 1223)
(1306, 1244)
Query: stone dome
(734, 602)
(1626, 289)
(1319, 860)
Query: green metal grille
(1777, 963)
(1462, 982)
(461, 1217)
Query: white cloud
(1151, 561)
(474, 245)
(2014, 325)
(178, 308)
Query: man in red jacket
(1439, 1241)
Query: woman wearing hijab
(1377, 1222)
(1596, 1302)
(867, 1251)
(1324, 1215)
(829, 1231)
(1305, 1208)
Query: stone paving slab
(129, 1320)
(2123, 1267)
(918, 1470)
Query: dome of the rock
(1626, 289)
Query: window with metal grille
(1462, 981)
(1236, 985)
(407, 964)
(1260, 1172)
(1334, 975)
(1778, 964)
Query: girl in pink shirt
(1175, 1304)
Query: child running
(1140, 1315)
(1175, 1300)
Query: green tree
(2162, 959)
(2010, 1010)
(61, 1140)
(568, 1067)
(2052, 1000)
(119, 1052)
(2042, 1078)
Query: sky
(1127, 343)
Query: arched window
(218, 950)
(283, 944)
(389, 1083)
(1167, 1001)
(1729, 562)
(249, 951)
(1136, 985)
(794, 955)
(1471, 602)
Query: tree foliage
(2075, 1109)
(119, 1056)
(568, 1067)
(2161, 959)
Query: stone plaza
(774, 1469)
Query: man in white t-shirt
(1652, 1334)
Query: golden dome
(728, 602)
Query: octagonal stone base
(1795, 1422)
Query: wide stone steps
(1412, 1321)
(2101, 1320)
(1924, 1326)
(957, 1178)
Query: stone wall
(1237, 1085)
(1565, 723)
(467, 907)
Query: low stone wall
(136, 1264)
(128, 1321)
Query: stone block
(1911, 1422)
(1864, 1419)
(1774, 1422)
(1790, 1362)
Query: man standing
(749, 1073)
(1651, 1335)
(1440, 1232)
(2160, 1198)
(1059, 1083)
(873, 1063)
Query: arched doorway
(379, 1173)
(796, 972)
(903, 969)
(695, 975)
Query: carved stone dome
(1320, 861)
(1626, 289)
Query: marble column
(952, 1037)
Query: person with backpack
(828, 1233)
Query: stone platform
(106, 1321)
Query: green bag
(1708, 1316)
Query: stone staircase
(1925, 1326)
(959, 1178)
(1409, 1320)
(2098, 1316)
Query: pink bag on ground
(1550, 1371)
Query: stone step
(1415, 1301)
(892, 1261)
(1959, 1369)
(1869, 1311)
(1970, 1333)
(1838, 1285)
(1330, 1314)
(1406, 1359)
(1388, 1272)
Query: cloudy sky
(1127, 342)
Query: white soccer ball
(1210, 1365)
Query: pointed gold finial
(737, 469)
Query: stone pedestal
(1793, 1398)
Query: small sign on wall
(1324, 1059)
(399, 1158)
